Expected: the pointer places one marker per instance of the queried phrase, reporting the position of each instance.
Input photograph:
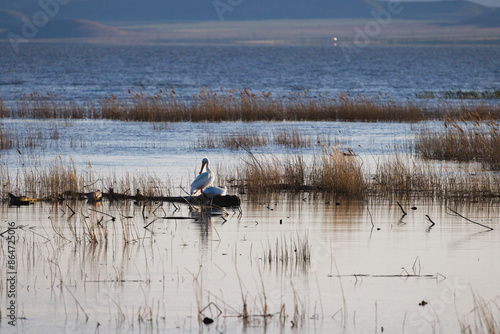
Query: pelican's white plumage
(203, 180)
(211, 192)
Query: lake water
(369, 268)
(156, 279)
(88, 72)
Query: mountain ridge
(214, 10)
(91, 18)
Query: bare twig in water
(113, 218)
(72, 211)
(160, 205)
(404, 212)
(150, 223)
(432, 223)
(209, 307)
(371, 218)
(77, 303)
(415, 265)
(489, 228)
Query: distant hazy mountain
(77, 18)
(12, 22)
(489, 19)
(208, 10)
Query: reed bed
(472, 139)
(245, 139)
(336, 171)
(291, 138)
(3, 109)
(339, 171)
(486, 316)
(294, 253)
(405, 176)
(240, 105)
(62, 177)
(11, 138)
(233, 141)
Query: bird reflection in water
(205, 216)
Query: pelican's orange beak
(202, 166)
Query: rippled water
(89, 72)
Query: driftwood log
(97, 196)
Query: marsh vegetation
(244, 105)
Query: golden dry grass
(403, 175)
(63, 178)
(241, 105)
(339, 171)
(335, 171)
(474, 138)
(286, 137)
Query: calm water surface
(167, 272)
(89, 72)
(144, 280)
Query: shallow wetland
(287, 260)
(369, 188)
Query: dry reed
(287, 137)
(336, 171)
(294, 253)
(474, 138)
(486, 316)
(339, 172)
(240, 105)
(63, 178)
(55, 180)
(11, 138)
(403, 175)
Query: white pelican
(203, 180)
(212, 192)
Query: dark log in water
(222, 201)
(21, 200)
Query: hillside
(11, 22)
(208, 10)
(101, 19)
